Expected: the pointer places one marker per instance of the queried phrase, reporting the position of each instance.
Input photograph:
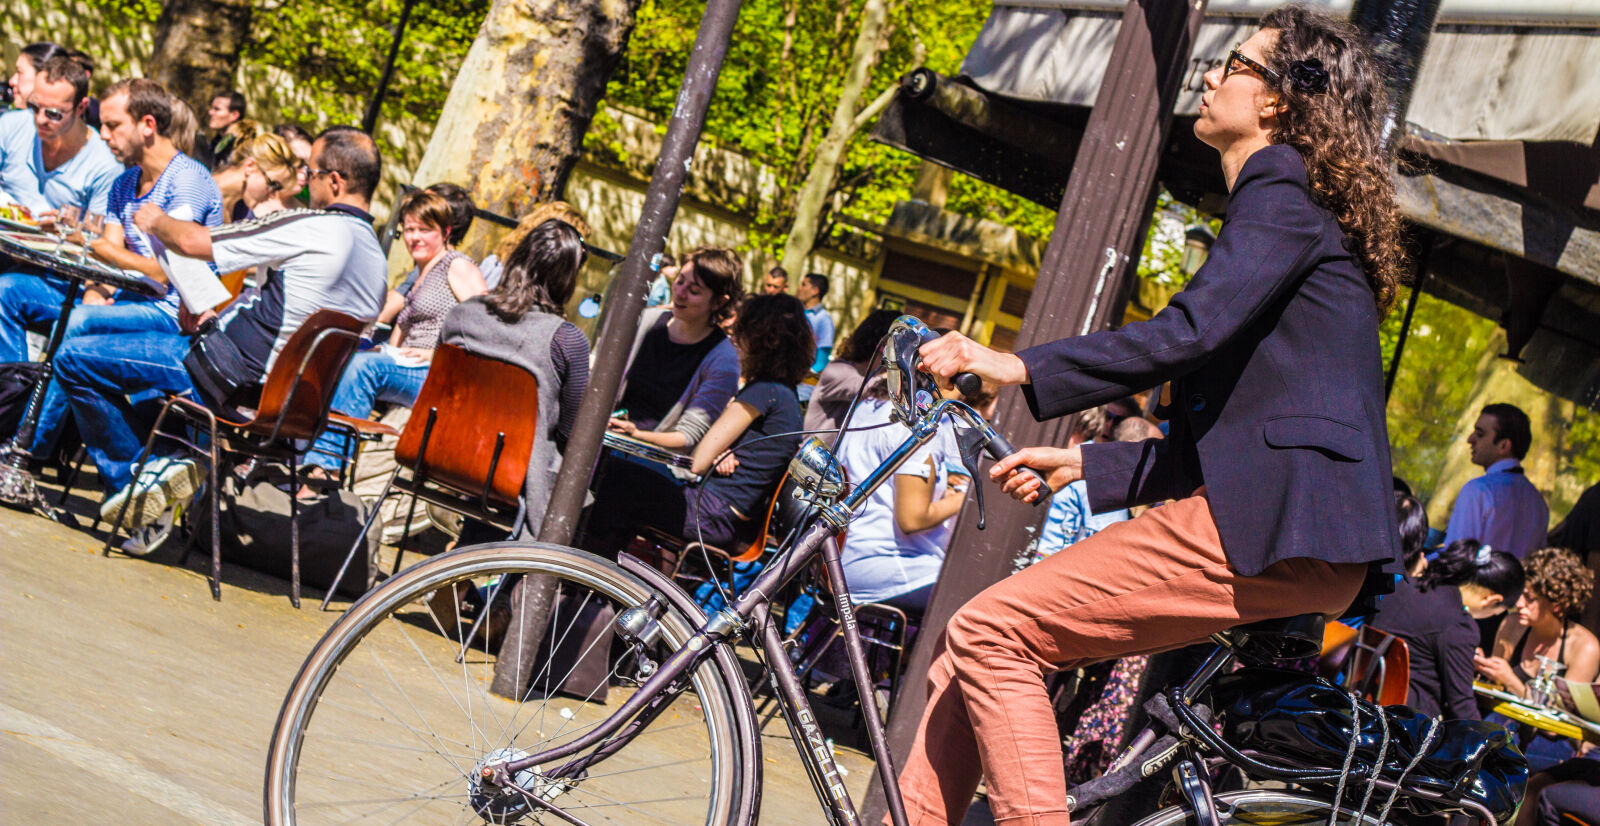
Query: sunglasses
(1246, 63)
(52, 114)
(312, 172)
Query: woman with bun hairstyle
(1435, 612)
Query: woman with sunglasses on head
(263, 178)
(1278, 456)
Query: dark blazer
(1277, 390)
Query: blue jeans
(371, 377)
(98, 373)
(29, 300)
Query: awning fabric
(1477, 82)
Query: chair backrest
(299, 387)
(474, 403)
(1379, 667)
(774, 523)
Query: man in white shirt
(325, 257)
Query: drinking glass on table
(94, 226)
(66, 222)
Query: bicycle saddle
(1288, 638)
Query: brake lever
(971, 441)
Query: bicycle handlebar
(997, 446)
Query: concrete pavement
(128, 695)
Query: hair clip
(1308, 76)
(1484, 555)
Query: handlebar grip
(999, 448)
(968, 383)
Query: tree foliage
(778, 89)
(335, 51)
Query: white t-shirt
(880, 561)
(315, 259)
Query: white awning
(1482, 78)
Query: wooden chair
(466, 446)
(1368, 661)
(293, 409)
(783, 513)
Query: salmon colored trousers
(1154, 583)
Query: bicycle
(363, 738)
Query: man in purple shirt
(1501, 508)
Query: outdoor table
(1554, 720)
(31, 247)
(644, 450)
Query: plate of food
(16, 216)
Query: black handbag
(223, 377)
(1308, 721)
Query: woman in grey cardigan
(522, 321)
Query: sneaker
(149, 539)
(163, 480)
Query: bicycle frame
(748, 612)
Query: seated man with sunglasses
(136, 116)
(49, 155)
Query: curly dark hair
(774, 339)
(1559, 576)
(1339, 133)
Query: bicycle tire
(1253, 808)
(322, 741)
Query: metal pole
(1399, 30)
(649, 239)
(535, 595)
(1424, 249)
(1096, 237)
(369, 121)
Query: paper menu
(1582, 699)
(196, 284)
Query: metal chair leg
(72, 477)
(294, 536)
(361, 540)
(217, 471)
(405, 534)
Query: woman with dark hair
(839, 381)
(683, 368)
(523, 321)
(1413, 519)
(395, 372)
(29, 61)
(1435, 610)
(1542, 629)
(1278, 455)
(761, 426)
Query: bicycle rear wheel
(384, 724)
(1264, 808)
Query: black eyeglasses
(53, 114)
(1236, 57)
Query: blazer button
(1197, 402)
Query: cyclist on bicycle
(1278, 457)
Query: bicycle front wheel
(1256, 808)
(391, 719)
